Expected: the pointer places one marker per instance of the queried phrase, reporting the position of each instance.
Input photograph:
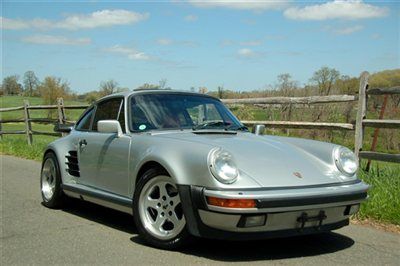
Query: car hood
(269, 161)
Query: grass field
(383, 204)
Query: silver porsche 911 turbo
(184, 166)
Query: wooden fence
(359, 125)
(27, 120)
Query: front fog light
(252, 221)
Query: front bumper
(327, 208)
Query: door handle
(82, 143)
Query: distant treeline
(324, 81)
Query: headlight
(346, 161)
(222, 166)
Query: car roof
(153, 91)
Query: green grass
(18, 146)
(384, 195)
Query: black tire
(57, 199)
(183, 238)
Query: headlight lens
(223, 166)
(346, 161)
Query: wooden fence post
(361, 112)
(61, 113)
(28, 127)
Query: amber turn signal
(231, 203)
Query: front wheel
(158, 212)
(50, 182)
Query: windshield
(179, 111)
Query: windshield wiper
(240, 128)
(211, 124)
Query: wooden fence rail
(359, 125)
(293, 100)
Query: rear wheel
(50, 182)
(158, 211)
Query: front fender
(185, 162)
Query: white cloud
(337, 9)
(167, 42)
(247, 53)
(102, 18)
(228, 42)
(348, 30)
(55, 40)
(164, 41)
(131, 53)
(255, 5)
(191, 18)
(13, 24)
(376, 36)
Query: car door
(104, 157)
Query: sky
(240, 45)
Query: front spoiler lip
(193, 200)
(292, 199)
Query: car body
(184, 166)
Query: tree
(31, 82)
(325, 78)
(220, 92)
(203, 90)
(147, 86)
(162, 84)
(52, 88)
(92, 96)
(11, 86)
(347, 85)
(108, 87)
(285, 84)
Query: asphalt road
(84, 233)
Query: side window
(109, 110)
(84, 123)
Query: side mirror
(258, 129)
(63, 128)
(109, 126)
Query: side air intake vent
(72, 162)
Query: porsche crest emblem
(297, 174)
